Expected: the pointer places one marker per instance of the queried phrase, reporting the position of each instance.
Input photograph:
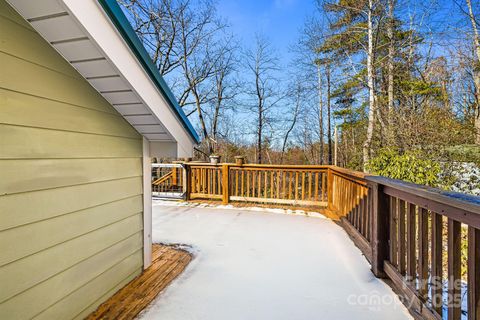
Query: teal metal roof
(122, 24)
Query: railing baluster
(359, 206)
(393, 232)
(290, 174)
(199, 171)
(369, 213)
(309, 173)
(454, 271)
(437, 263)
(355, 202)
(303, 185)
(265, 184)
(363, 210)
(272, 186)
(248, 183)
(254, 184)
(423, 253)
(259, 180)
(204, 180)
(296, 185)
(219, 181)
(473, 273)
(243, 182)
(411, 243)
(236, 183)
(351, 203)
(279, 173)
(321, 187)
(401, 237)
(213, 180)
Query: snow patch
(258, 264)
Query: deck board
(167, 263)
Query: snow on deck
(262, 265)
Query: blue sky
(278, 20)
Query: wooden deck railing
(167, 178)
(301, 185)
(204, 181)
(413, 235)
(416, 232)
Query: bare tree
(476, 43)
(307, 62)
(186, 40)
(172, 30)
(202, 73)
(327, 64)
(227, 87)
(297, 95)
(262, 64)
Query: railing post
(174, 174)
(225, 186)
(330, 189)
(379, 242)
(186, 181)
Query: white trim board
(147, 205)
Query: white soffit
(58, 25)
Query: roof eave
(118, 18)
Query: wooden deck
(167, 263)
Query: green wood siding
(71, 188)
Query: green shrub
(408, 166)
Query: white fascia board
(90, 15)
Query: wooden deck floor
(167, 263)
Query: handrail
(469, 204)
(162, 178)
(349, 172)
(247, 165)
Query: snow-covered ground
(264, 265)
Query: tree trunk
(329, 118)
(320, 113)
(202, 122)
(218, 105)
(335, 162)
(391, 54)
(259, 133)
(367, 146)
(294, 121)
(476, 42)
